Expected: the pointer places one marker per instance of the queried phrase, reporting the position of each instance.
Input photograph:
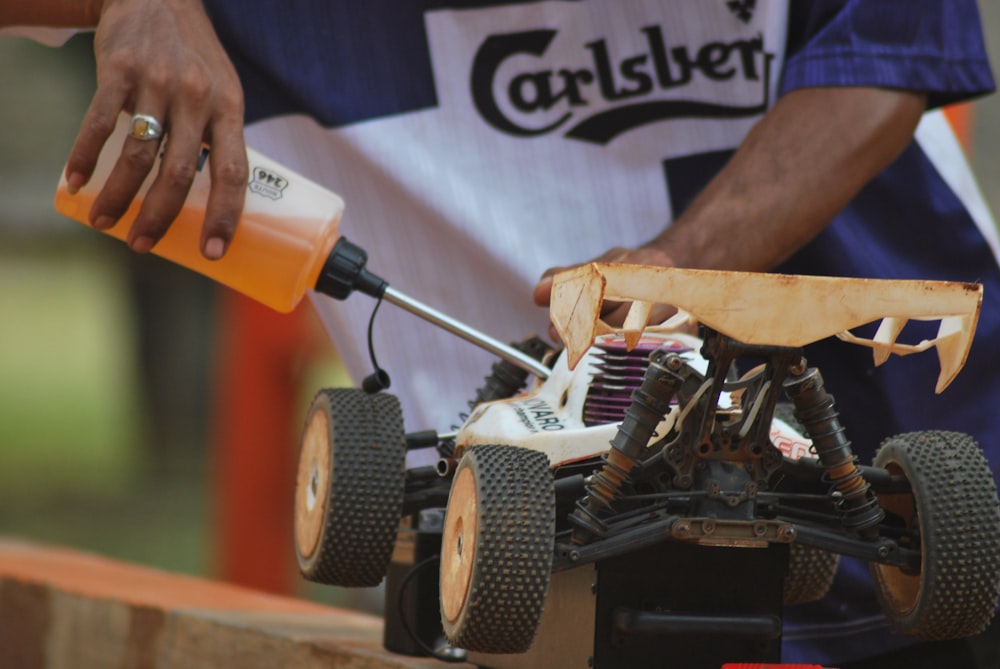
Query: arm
(804, 161)
(51, 13)
(163, 58)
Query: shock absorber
(815, 409)
(506, 378)
(650, 403)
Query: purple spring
(619, 372)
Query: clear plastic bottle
(285, 235)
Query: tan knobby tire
(497, 548)
(349, 487)
(810, 574)
(953, 508)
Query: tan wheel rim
(900, 588)
(312, 484)
(458, 545)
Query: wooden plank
(64, 609)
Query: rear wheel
(496, 552)
(810, 574)
(349, 487)
(954, 516)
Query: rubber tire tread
(810, 576)
(958, 515)
(514, 550)
(365, 496)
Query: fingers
(170, 187)
(230, 173)
(98, 123)
(162, 58)
(126, 177)
(615, 316)
(542, 294)
(612, 312)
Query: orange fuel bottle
(285, 235)
(287, 242)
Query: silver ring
(145, 127)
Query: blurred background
(123, 383)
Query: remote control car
(636, 435)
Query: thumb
(543, 291)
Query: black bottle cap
(344, 272)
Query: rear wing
(769, 309)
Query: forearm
(50, 13)
(797, 168)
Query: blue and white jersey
(478, 143)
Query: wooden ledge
(62, 608)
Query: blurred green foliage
(76, 463)
(69, 407)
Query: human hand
(612, 312)
(163, 58)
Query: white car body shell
(549, 416)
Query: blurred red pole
(261, 355)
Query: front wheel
(953, 515)
(496, 552)
(349, 487)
